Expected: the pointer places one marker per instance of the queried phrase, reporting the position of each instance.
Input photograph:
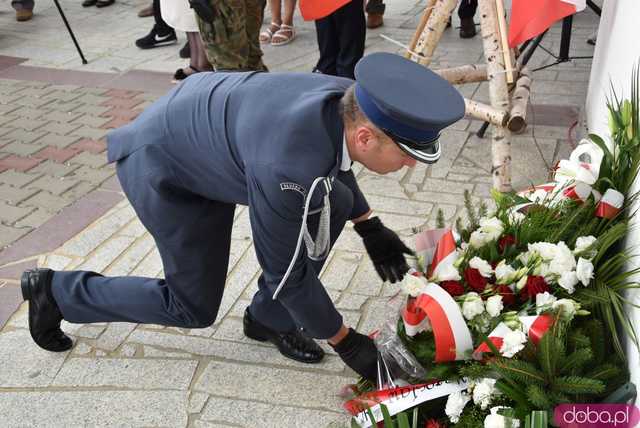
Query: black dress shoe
(104, 3)
(89, 3)
(292, 345)
(44, 315)
(467, 28)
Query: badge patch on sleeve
(295, 187)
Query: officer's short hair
(351, 111)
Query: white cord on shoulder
(303, 227)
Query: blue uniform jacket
(256, 139)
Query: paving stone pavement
(60, 207)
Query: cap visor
(422, 156)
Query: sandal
(285, 35)
(181, 75)
(266, 35)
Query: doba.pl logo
(596, 416)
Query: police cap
(408, 102)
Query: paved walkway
(60, 207)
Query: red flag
(530, 18)
(316, 9)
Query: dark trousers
(375, 6)
(161, 27)
(341, 38)
(467, 8)
(193, 237)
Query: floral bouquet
(522, 309)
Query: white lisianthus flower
(583, 243)
(505, 274)
(483, 392)
(496, 420)
(446, 272)
(567, 308)
(545, 250)
(482, 265)
(584, 271)
(521, 283)
(544, 301)
(493, 227)
(512, 343)
(516, 217)
(524, 257)
(413, 285)
(455, 405)
(472, 305)
(478, 239)
(494, 305)
(564, 261)
(568, 281)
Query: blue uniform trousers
(193, 236)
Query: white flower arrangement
(455, 405)
(472, 305)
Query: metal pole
(66, 23)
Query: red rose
(508, 297)
(454, 288)
(505, 241)
(475, 280)
(535, 285)
(434, 423)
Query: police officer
(221, 139)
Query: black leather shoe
(292, 345)
(44, 315)
(467, 28)
(89, 3)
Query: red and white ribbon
(415, 319)
(451, 334)
(534, 327)
(610, 204)
(446, 253)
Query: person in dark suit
(222, 139)
(341, 37)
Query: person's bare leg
(199, 59)
(289, 9)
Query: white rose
(493, 227)
(584, 271)
(512, 343)
(455, 405)
(472, 305)
(563, 261)
(413, 285)
(505, 274)
(566, 308)
(545, 250)
(478, 239)
(447, 272)
(483, 392)
(583, 243)
(482, 265)
(495, 420)
(494, 305)
(544, 301)
(568, 281)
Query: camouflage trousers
(231, 41)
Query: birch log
(432, 32)
(498, 93)
(420, 29)
(486, 113)
(464, 74)
(519, 101)
(502, 28)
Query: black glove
(359, 352)
(385, 249)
